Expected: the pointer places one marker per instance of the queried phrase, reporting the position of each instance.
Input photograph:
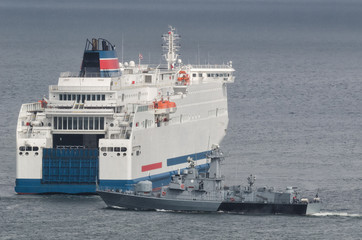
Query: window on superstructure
(69, 96)
(117, 149)
(98, 97)
(208, 75)
(91, 123)
(22, 148)
(148, 79)
(65, 123)
(96, 123)
(75, 123)
(83, 98)
(70, 123)
(80, 121)
(109, 149)
(200, 74)
(103, 97)
(55, 124)
(28, 148)
(73, 97)
(103, 149)
(194, 75)
(101, 120)
(93, 97)
(35, 148)
(123, 149)
(61, 97)
(85, 123)
(60, 123)
(88, 97)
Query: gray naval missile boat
(204, 191)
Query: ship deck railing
(89, 75)
(78, 88)
(33, 107)
(210, 66)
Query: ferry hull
(36, 186)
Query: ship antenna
(170, 47)
(122, 48)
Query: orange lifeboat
(183, 78)
(164, 106)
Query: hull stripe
(183, 159)
(153, 166)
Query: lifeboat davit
(164, 106)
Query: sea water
(295, 108)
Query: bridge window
(78, 123)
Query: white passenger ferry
(119, 123)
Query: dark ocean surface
(295, 108)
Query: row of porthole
(118, 154)
(28, 148)
(113, 149)
(27, 153)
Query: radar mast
(170, 47)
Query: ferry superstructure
(116, 124)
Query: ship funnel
(99, 59)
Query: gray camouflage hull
(136, 202)
(121, 200)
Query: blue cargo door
(70, 166)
